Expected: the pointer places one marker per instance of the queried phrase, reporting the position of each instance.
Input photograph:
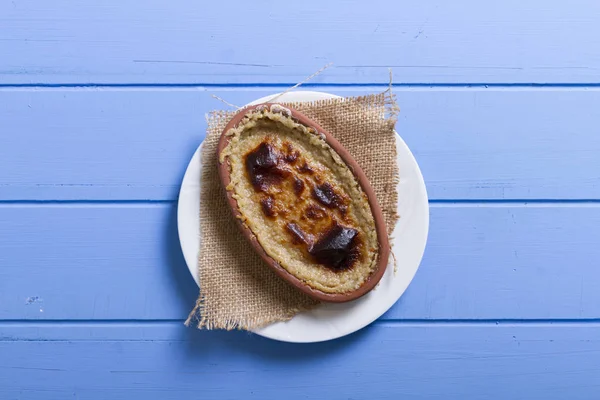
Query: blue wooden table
(102, 104)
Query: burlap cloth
(237, 289)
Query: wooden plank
(116, 41)
(108, 262)
(450, 361)
(134, 144)
(93, 262)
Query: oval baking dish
(303, 203)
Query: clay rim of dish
(380, 227)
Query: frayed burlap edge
(217, 117)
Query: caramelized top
(311, 210)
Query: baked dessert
(303, 202)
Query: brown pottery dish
(303, 203)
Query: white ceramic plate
(330, 321)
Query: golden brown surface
(302, 202)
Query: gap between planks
(433, 203)
(381, 322)
(590, 86)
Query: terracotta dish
(303, 203)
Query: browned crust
(380, 227)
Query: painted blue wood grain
(93, 262)
(416, 361)
(134, 144)
(117, 41)
(102, 103)
(103, 261)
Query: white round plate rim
(330, 321)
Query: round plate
(330, 321)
